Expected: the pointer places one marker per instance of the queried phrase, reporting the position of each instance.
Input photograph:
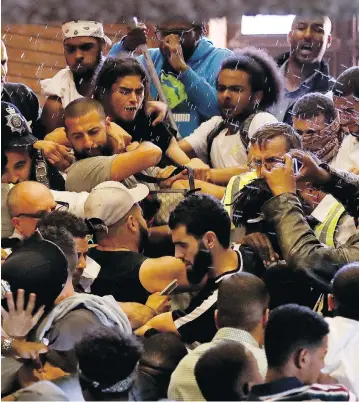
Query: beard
(143, 242)
(104, 150)
(88, 74)
(201, 264)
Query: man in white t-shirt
(84, 42)
(247, 84)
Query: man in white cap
(121, 232)
(84, 42)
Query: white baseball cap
(110, 201)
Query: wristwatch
(325, 166)
(6, 344)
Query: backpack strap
(244, 129)
(211, 137)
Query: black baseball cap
(37, 266)
(15, 132)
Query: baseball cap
(14, 129)
(110, 201)
(37, 266)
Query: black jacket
(300, 248)
(345, 187)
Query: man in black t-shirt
(122, 88)
(121, 233)
(22, 97)
(201, 235)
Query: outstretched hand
(17, 322)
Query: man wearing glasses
(187, 64)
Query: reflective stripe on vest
(325, 231)
(234, 186)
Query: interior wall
(35, 52)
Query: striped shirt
(291, 389)
(196, 323)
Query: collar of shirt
(234, 334)
(304, 87)
(276, 387)
(323, 208)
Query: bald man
(28, 202)
(27, 198)
(303, 67)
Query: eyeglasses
(268, 163)
(60, 206)
(162, 33)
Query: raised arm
(52, 114)
(142, 156)
(157, 273)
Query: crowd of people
(216, 258)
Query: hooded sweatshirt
(191, 95)
(105, 308)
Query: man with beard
(87, 130)
(303, 66)
(83, 46)
(84, 42)
(22, 97)
(187, 64)
(121, 234)
(248, 83)
(201, 234)
(346, 100)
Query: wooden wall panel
(35, 51)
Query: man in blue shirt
(187, 64)
(303, 66)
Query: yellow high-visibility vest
(325, 231)
(234, 186)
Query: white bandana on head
(74, 29)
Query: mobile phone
(296, 165)
(169, 288)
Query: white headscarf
(74, 29)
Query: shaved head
(83, 106)
(309, 38)
(325, 20)
(29, 197)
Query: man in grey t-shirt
(87, 129)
